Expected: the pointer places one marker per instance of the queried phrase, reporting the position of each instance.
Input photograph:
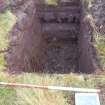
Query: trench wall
(30, 50)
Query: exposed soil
(61, 56)
(53, 38)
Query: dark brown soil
(48, 38)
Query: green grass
(6, 22)
(7, 19)
(19, 96)
(100, 46)
(51, 2)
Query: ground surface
(18, 96)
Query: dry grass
(51, 2)
(19, 96)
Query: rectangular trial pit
(60, 28)
(54, 37)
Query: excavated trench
(60, 28)
(51, 39)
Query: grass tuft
(7, 20)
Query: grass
(51, 2)
(100, 46)
(19, 96)
(6, 22)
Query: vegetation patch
(100, 46)
(23, 96)
(51, 2)
(7, 19)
